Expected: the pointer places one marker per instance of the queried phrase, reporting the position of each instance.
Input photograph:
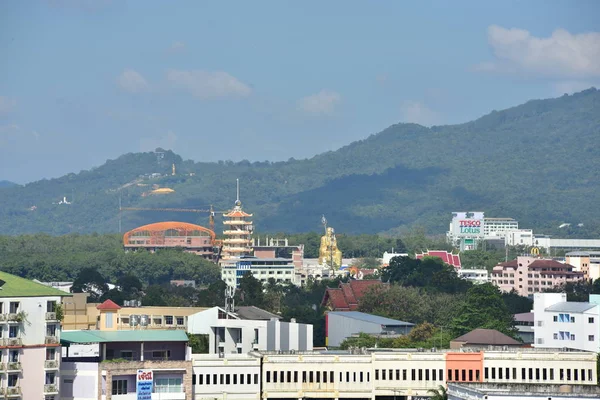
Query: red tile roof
(237, 214)
(549, 264)
(487, 337)
(347, 296)
(108, 305)
(448, 258)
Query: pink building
(528, 275)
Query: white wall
(79, 381)
(231, 365)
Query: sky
(86, 81)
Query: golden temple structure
(329, 254)
(238, 232)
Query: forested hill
(537, 162)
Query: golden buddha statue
(329, 254)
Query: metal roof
(376, 319)
(154, 335)
(15, 286)
(570, 306)
(255, 313)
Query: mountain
(5, 184)
(536, 162)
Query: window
(555, 318)
(591, 338)
(256, 379)
(127, 355)
(556, 336)
(169, 385)
(14, 307)
(180, 320)
(572, 337)
(572, 319)
(50, 354)
(168, 319)
(108, 321)
(161, 354)
(51, 330)
(50, 306)
(119, 386)
(591, 320)
(13, 331)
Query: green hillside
(536, 162)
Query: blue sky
(84, 81)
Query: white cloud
(132, 81)
(7, 105)
(322, 103)
(208, 84)
(417, 112)
(177, 47)
(563, 54)
(166, 141)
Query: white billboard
(467, 224)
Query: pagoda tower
(237, 233)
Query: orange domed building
(192, 238)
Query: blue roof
(375, 319)
(154, 335)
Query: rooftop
(15, 286)
(526, 389)
(571, 306)
(487, 337)
(255, 313)
(154, 335)
(376, 319)
(524, 317)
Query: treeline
(61, 258)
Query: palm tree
(438, 394)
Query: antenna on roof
(238, 189)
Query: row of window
(415, 374)
(538, 374)
(534, 283)
(225, 379)
(160, 385)
(225, 272)
(169, 320)
(315, 376)
(568, 318)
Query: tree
(515, 303)
(250, 292)
(130, 285)
(89, 280)
(438, 394)
(484, 308)
(198, 343)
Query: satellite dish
(144, 320)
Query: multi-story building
(550, 243)
(520, 391)
(528, 275)
(566, 324)
(238, 373)
(524, 323)
(238, 234)
(282, 270)
(107, 365)
(249, 329)
(79, 314)
(498, 227)
(191, 238)
(30, 345)
(519, 237)
(340, 325)
(587, 262)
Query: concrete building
(528, 275)
(235, 376)
(30, 346)
(587, 262)
(550, 243)
(498, 227)
(79, 314)
(520, 391)
(340, 325)
(405, 374)
(232, 333)
(103, 365)
(524, 323)
(519, 237)
(447, 257)
(282, 270)
(476, 276)
(565, 324)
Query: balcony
(51, 388)
(13, 342)
(3, 317)
(13, 366)
(13, 391)
(51, 364)
(50, 316)
(13, 317)
(51, 340)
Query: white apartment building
(519, 237)
(282, 270)
(565, 324)
(230, 333)
(30, 339)
(498, 227)
(476, 276)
